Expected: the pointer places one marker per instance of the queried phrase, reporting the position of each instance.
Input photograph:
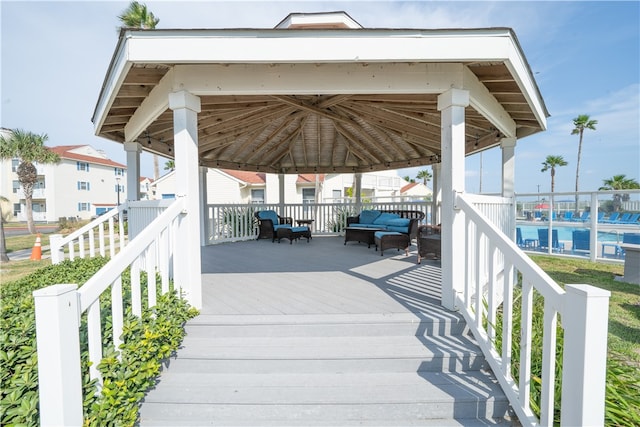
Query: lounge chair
(583, 218)
(612, 218)
(633, 219)
(624, 218)
(269, 222)
(631, 238)
(580, 240)
(543, 239)
(600, 216)
(568, 216)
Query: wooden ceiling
(324, 133)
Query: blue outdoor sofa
(401, 221)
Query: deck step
(400, 369)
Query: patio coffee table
(361, 234)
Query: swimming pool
(565, 233)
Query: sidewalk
(23, 254)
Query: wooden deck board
(323, 333)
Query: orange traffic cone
(36, 252)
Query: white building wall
(221, 188)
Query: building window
(119, 188)
(84, 206)
(84, 185)
(14, 165)
(82, 166)
(257, 196)
(308, 195)
(16, 186)
(17, 209)
(119, 171)
(39, 185)
(337, 194)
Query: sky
(585, 56)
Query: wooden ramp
(323, 334)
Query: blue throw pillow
(399, 222)
(368, 216)
(272, 215)
(385, 217)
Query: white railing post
(584, 366)
(58, 345)
(55, 244)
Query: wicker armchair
(269, 222)
(428, 241)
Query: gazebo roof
(318, 99)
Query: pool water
(566, 233)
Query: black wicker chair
(268, 223)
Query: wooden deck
(323, 333)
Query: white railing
(584, 313)
(234, 222)
(85, 238)
(59, 308)
(140, 213)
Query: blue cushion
(404, 230)
(368, 216)
(299, 229)
(272, 215)
(275, 227)
(380, 234)
(367, 225)
(385, 217)
(399, 222)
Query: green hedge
(147, 342)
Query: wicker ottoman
(293, 233)
(391, 239)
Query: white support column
(133, 170)
(451, 104)
(357, 191)
(508, 146)
(186, 107)
(437, 194)
(204, 221)
(584, 366)
(58, 345)
(281, 200)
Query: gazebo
(320, 94)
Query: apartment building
(84, 184)
(231, 186)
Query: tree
(3, 245)
(138, 16)
(169, 165)
(408, 179)
(551, 163)
(29, 148)
(424, 175)
(581, 123)
(619, 182)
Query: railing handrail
(99, 282)
(548, 287)
(96, 222)
(583, 309)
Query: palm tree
(3, 246)
(29, 148)
(551, 163)
(619, 182)
(138, 16)
(424, 175)
(169, 165)
(408, 179)
(581, 123)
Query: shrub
(622, 401)
(147, 341)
